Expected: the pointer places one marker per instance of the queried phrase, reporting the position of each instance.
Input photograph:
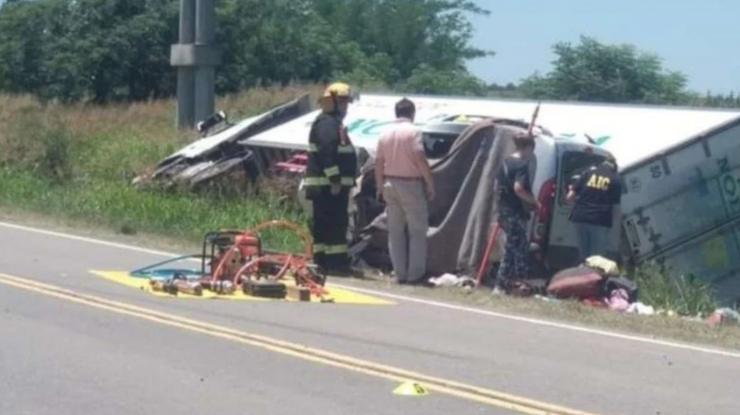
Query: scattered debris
(608, 267)
(215, 155)
(723, 316)
(640, 308)
(451, 280)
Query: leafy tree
(435, 33)
(593, 71)
(100, 50)
(427, 80)
(22, 44)
(720, 100)
(109, 50)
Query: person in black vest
(515, 203)
(595, 195)
(330, 174)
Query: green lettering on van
(354, 125)
(598, 140)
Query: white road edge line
(431, 303)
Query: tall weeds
(78, 161)
(684, 294)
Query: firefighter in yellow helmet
(330, 176)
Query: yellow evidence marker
(410, 388)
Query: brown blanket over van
(462, 212)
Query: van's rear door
(572, 158)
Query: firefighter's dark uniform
(331, 159)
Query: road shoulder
(557, 312)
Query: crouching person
(515, 202)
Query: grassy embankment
(76, 163)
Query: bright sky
(700, 38)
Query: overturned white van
(461, 161)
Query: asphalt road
(62, 354)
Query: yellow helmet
(338, 89)
(328, 100)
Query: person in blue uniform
(595, 195)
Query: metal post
(196, 57)
(185, 74)
(205, 74)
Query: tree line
(118, 50)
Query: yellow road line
(449, 387)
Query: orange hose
(280, 274)
(219, 269)
(295, 261)
(288, 263)
(244, 268)
(307, 241)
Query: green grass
(78, 163)
(667, 290)
(129, 210)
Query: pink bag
(618, 300)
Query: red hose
(220, 266)
(489, 247)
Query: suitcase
(578, 282)
(265, 289)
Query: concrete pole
(205, 74)
(185, 74)
(196, 57)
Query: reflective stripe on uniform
(329, 249)
(324, 181)
(346, 149)
(331, 171)
(335, 249)
(349, 148)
